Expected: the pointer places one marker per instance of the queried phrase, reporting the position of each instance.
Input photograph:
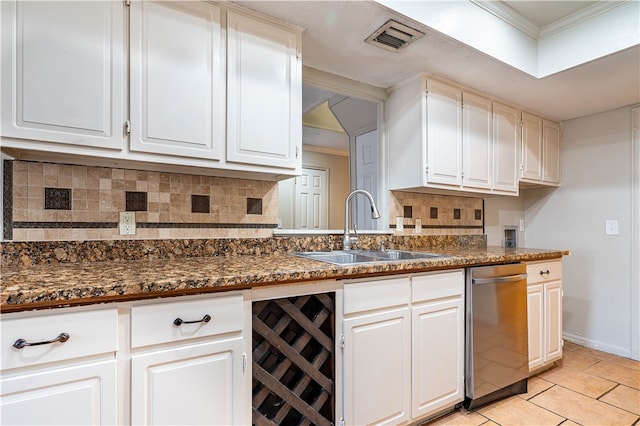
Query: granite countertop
(43, 286)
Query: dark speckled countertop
(42, 286)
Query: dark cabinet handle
(21, 343)
(545, 272)
(179, 321)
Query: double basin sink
(353, 257)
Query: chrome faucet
(375, 214)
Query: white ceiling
(335, 31)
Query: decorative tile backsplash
(436, 214)
(48, 201)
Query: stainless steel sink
(352, 257)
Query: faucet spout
(375, 214)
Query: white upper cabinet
(443, 137)
(540, 150)
(264, 84)
(531, 168)
(550, 152)
(177, 79)
(200, 84)
(477, 148)
(506, 143)
(444, 134)
(62, 73)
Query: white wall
(501, 211)
(596, 185)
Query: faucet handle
(382, 248)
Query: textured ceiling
(334, 36)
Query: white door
(506, 140)
(438, 356)
(535, 315)
(444, 134)
(366, 165)
(195, 384)
(377, 359)
(65, 61)
(311, 205)
(477, 141)
(177, 79)
(264, 94)
(83, 394)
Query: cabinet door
(551, 151)
(177, 79)
(444, 134)
(438, 356)
(63, 73)
(531, 167)
(80, 394)
(195, 384)
(264, 94)
(506, 140)
(376, 372)
(535, 315)
(553, 321)
(477, 163)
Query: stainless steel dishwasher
(496, 359)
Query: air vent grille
(393, 36)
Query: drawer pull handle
(179, 321)
(545, 272)
(21, 343)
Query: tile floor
(587, 387)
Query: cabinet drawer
(90, 333)
(376, 294)
(544, 271)
(437, 285)
(158, 322)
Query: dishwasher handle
(499, 280)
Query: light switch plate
(611, 227)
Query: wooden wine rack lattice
(293, 361)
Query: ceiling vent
(393, 36)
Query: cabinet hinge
(127, 3)
(341, 341)
(127, 127)
(244, 362)
(297, 151)
(341, 423)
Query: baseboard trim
(594, 344)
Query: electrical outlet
(418, 228)
(127, 223)
(399, 223)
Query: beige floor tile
(570, 346)
(624, 397)
(459, 418)
(569, 423)
(535, 386)
(615, 359)
(582, 409)
(577, 360)
(578, 381)
(616, 373)
(517, 411)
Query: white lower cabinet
(403, 347)
(64, 373)
(544, 305)
(437, 321)
(189, 368)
